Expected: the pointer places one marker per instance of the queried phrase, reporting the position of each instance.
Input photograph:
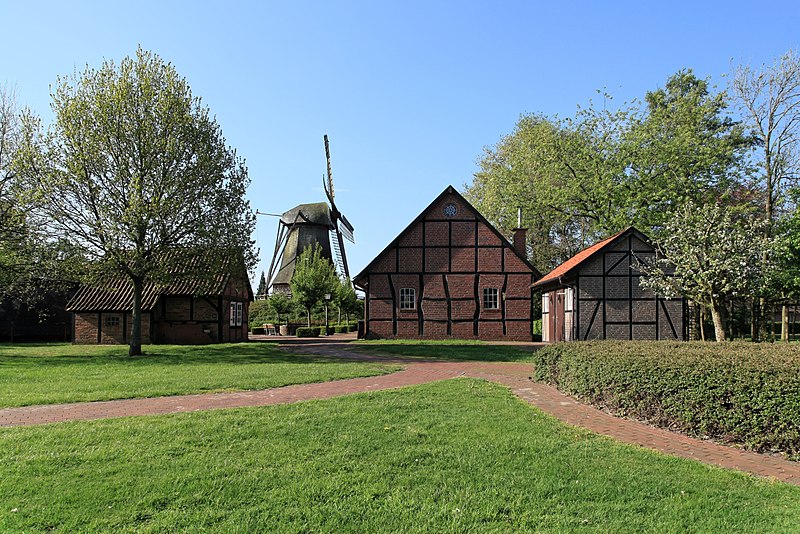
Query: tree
(770, 100)
(133, 169)
(31, 261)
(281, 305)
(345, 299)
(709, 255)
(314, 277)
(262, 286)
(604, 169)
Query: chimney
(520, 235)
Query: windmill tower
(305, 225)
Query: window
(111, 320)
(408, 298)
(569, 296)
(490, 300)
(546, 303)
(237, 311)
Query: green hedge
(308, 331)
(739, 392)
(342, 329)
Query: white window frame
(491, 295)
(111, 321)
(546, 303)
(569, 296)
(237, 313)
(408, 298)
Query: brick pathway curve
(514, 375)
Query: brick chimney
(520, 235)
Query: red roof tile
(576, 260)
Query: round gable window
(450, 210)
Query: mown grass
(455, 456)
(60, 372)
(448, 349)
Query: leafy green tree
(605, 169)
(134, 167)
(314, 277)
(345, 299)
(709, 255)
(769, 98)
(281, 305)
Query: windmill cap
(317, 213)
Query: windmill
(305, 225)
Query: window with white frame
(408, 298)
(237, 313)
(546, 303)
(111, 320)
(490, 298)
(569, 295)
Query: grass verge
(455, 456)
(56, 373)
(448, 349)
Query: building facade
(596, 294)
(450, 274)
(189, 313)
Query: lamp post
(327, 300)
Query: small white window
(408, 298)
(569, 295)
(237, 312)
(490, 300)
(546, 303)
(111, 320)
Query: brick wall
(111, 327)
(442, 251)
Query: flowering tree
(709, 255)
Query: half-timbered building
(596, 294)
(450, 274)
(188, 311)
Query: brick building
(596, 295)
(188, 312)
(450, 273)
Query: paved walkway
(514, 375)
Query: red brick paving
(514, 375)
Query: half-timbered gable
(450, 273)
(596, 294)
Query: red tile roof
(576, 260)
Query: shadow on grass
(44, 354)
(449, 351)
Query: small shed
(450, 274)
(191, 311)
(596, 294)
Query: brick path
(514, 375)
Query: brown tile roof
(577, 259)
(117, 294)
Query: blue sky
(409, 92)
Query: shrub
(738, 392)
(308, 331)
(342, 329)
(260, 331)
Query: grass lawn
(60, 372)
(448, 349)
(456, 456)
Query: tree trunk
(784, 322)
(135, 348)
(308, 316)
(754, 328)
(717, 315)
(702, 322)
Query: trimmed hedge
(308, 331)
(741, 392)
(342, 329)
